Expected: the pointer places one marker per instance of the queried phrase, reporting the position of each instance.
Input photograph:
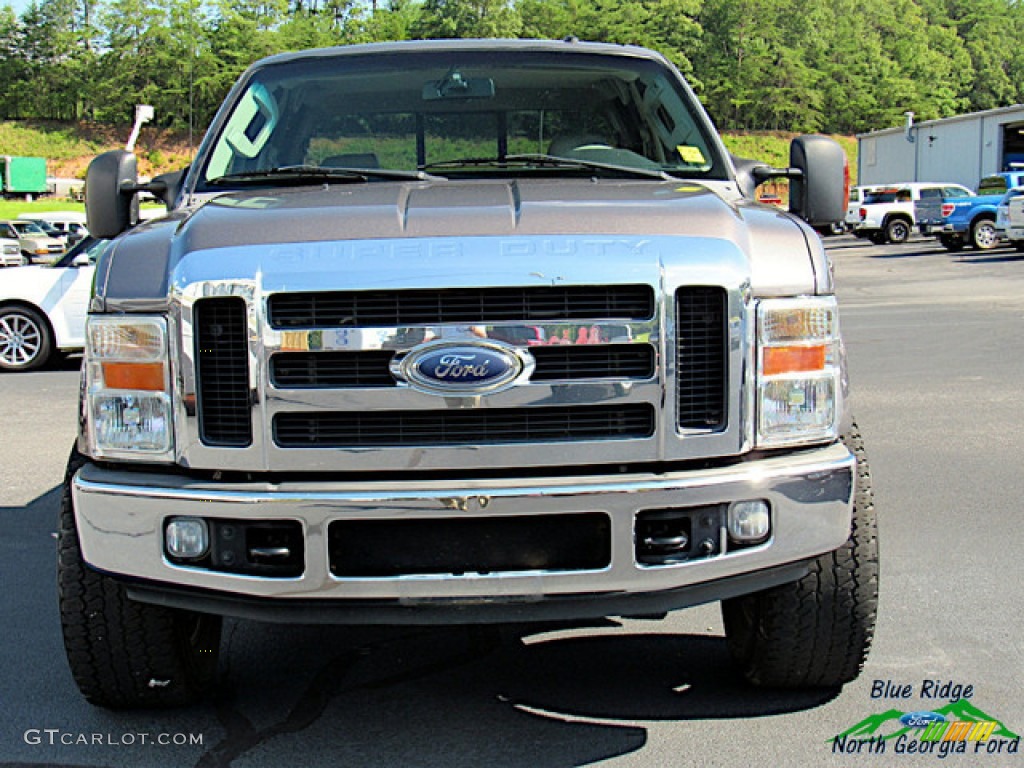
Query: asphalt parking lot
(937, 369)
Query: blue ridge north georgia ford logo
(464, 368)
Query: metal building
(958, 149)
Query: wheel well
(983, 217)
(900, 216)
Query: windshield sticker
(691, 154)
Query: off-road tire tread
(125, 654)
(815, 632)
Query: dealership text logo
(958, 727)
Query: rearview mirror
(455, 86)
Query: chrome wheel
(24, 339)
(983, 235)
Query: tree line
(835, 66)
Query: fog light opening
(749, 521)
(187, 538)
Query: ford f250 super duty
(463, 332)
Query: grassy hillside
(68, 148)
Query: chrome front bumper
(120, 518)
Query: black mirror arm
(763, 173)
(156, 187)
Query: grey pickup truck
(463, 332)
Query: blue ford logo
(921, 719)
(461, 368)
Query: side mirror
(818, 194)
(110, 208)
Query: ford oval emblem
(921, 719)
(461, 368)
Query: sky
(19, 6)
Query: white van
(71, 223)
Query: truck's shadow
(472, 696)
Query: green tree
(667, 26)
(467, 18)
(15, 74)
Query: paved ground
(936, 360)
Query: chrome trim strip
(810, 494)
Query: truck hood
(782, 255)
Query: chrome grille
(370, 368)
(332, 370)
(701, 357)
(336, 309)
(222, 367)
(485, 426)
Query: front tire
(983, 234)
(26, 342)
(125, 654)
(815, 632)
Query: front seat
(568, 145)
(354, 160)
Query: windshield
(462, 113)
(28, 228)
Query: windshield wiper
(297, 175)
(550, 161)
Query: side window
(931, 193)
(992, 185)
(903, 196)
(955, 192)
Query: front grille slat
(336, 309)
(464, 427)
(370, 369)
(222, 371)
(620, 361)
(701, 357)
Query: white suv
(887, 213)
(10, 253)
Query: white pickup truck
(887, 213)
(1010, 218)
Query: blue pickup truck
(962, 221)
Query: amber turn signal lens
(793, 360)
(143, 376)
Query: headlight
(798, 371)
(129, 388)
